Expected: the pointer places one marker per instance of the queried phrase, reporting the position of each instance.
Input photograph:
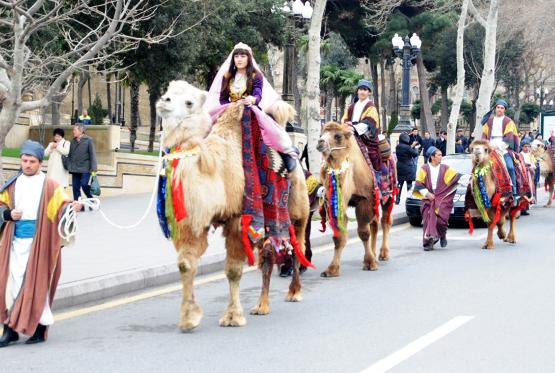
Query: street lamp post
(407, 51)
(542, 92)
(296, 13)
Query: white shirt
(497, 134)
(434, 176)
(361, 128)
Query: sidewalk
(106, 261)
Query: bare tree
(313, 85)
(487, 82)
(459, 88)
(92, 33)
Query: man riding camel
(502, 133)
(363, 120)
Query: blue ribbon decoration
(25, 228)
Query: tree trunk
(55, 108)
(8, 116)
(313, 86)
(376, 90)
(487, 81)
(459, 88)
(83, 78)
(382, 94)
(153, 96)
(426, 118)
(109, 97)
(134, 94)
(444, 108)
(342, 105)
(392, 99)
(329, 102)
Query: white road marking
(418, 345)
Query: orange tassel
(470, 222)
(297, 248)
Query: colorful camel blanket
(265, 212)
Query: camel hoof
(547, 206)
(294, 297)
(328, 273)
(486, 247)
(190, 319)
(384, 258)
(370, 266)
(509, 240)
(260, 309)
(233, 318)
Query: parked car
(463, 164)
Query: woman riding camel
(265, 211)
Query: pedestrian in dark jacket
(427, 142)
(461, 142)
(406, 169)
(82, 161)
(414, 136)
(441, 143)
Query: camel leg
(294, 294)
(367, 232)
(511, 236)
(489, 240)
(501, 226)
(333, 268)
(191, 313)
(386, 226)
(550, 195)
(233, 315)
(266, 265)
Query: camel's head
(538, 148)
(282, 112)
(182, 107)
(480, 151)
(335, 140)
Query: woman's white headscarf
(269, 95)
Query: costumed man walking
(31, 206)
(435, 185)
(363, 120)
(502, 133)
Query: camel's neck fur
(357, 179)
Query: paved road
(406, 316)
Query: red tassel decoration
(470, 222)
(323, 221)
(521, 205)
(247, 244)
(297, 248)
(496, 204)
(178, 195)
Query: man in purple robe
(435, 185)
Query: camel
(342, 155)
(541, 152)
(499, 210)
(213, 181)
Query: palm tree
(329, 79)
(347, 83)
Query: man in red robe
(31, 207)
(436, 184)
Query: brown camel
(342, 154)
(213, 182)
(542, 154)
(499, 210)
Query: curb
(99, 288)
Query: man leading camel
(435, 185)
(502, 133)
(363, 120)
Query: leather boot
(38, 336)
(8, 336)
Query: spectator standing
(82, 161)
(441, 143)
(427, 142)
(84, 118)
(406, 168)
(56, 149)
(461, 142)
